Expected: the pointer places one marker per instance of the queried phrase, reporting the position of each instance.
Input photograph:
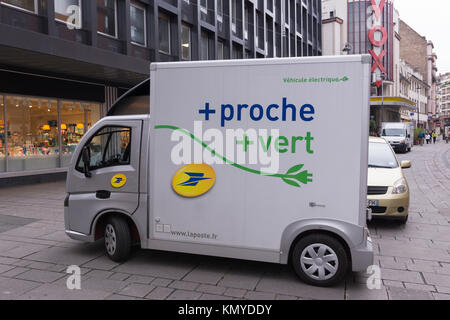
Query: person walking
(421, 136)
(428, 137)
(434, 136)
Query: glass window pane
(186, 42)
(76, 119)
(106, 10)
(137, 19)
(61, 8)
(111, 146)
(2, 136)
(220, 50)
(204, 46)
(29, 5)
(32, 134)
(219, 7)
(164, 34)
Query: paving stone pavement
(34, 253)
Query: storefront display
(2, 136)
(37, 126)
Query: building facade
(370, 27)
(417, 51)
(443, 99)
(64, 62)
(414, 88)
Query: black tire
(328, 241)
(403, 220)
(122, 239)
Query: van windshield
(381, 156)
(394, 133)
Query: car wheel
(320, 260)
(117, 239)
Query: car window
(394, 132)
(381, 156)
(111, 146)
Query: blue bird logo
(194, 179)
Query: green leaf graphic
(295, 169)
(291, 182)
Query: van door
(112, 178)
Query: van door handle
(314, 205)
(103, 194)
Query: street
(35, 253)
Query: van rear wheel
(320, 260)
(117, 239)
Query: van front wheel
(320, 260)
(117, 239)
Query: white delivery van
(400, 135)
(262, 160)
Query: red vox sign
(378, 58)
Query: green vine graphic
(293, 177)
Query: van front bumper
(79, 236)
(362, 256)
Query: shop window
(28, 5)
(76, 119)
(111, 146)
(138, 24)
(33, 138)
(186, 42)
(164, 34)
(62, 12)
(33, 135)
(107, 17)
(2, 136)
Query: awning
(393, 102)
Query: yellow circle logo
(119, 180)
(193, 180)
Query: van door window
(111, 146)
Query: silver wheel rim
(110, 240)
(319, 262)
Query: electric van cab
(233, 159)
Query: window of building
(204, 6)
(109, 147)
(28, 5)
(42, 132)
(233, 15)
(204, 50)
(220, 10)
(246, 22)
(107, 17)
(138, 24)
(220, 49)
(164, 34)
(185, 42)
(237, 51)
(63, 9)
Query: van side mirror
(405, 164)
(86, 156)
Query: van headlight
(400, 187)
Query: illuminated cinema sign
(378, 36)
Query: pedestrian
(428, 138)
(421, 136)
(434, 136)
